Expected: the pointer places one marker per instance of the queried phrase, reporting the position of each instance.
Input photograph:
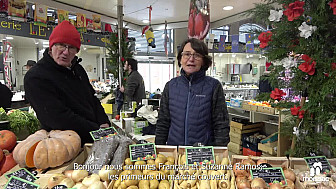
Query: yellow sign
(108, 108)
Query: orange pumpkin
(7, 140)
(43, 149)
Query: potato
(163, 157)
(159, 160)
(150, 162)
(131, 182)
(153, 184)
(132, 187)
(128, 161)
(164, 184)
(171, 159)
(144, 184)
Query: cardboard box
(241, 126)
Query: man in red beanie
(59, 90)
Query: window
(248, 28)
(224, 30)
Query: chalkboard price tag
(270, 175)
(318, 165)
(100, 133)
(23, 174)
(142, 152)
(18, 183)
(200, 155)
(59, 187)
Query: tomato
(117, 117)
(7, 140)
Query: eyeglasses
(187, 55)
(63, 47)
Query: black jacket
(6, 96)
(193, 110)
(63, 98)
(135, 87)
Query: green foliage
(20, 120)
(263, 97)
(3, 115)
(321, 47)
(113, 53)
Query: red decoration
(264, 38)
(308, 66)
(295, 110)
(268, 64)
(333, 6)
(301, 114)
(122, 59)
(277, 94)
(333, 66)
(294, 10)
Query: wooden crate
(268, 148)
(221, 152)
(235, 138)
(274, 161)
(241, 126)
(235, 148)
(236, 130)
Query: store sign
(16, 182)
(27, 29)
(200, 155)
(101, 133)
(270, 175)
(23, 174)
(142, 152)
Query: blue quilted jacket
(193, 110)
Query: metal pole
(120, 28)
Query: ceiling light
(220, 54)
(233, 55)
(9, 37)
(145, 21)
(228, 8)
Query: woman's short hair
(199, 47)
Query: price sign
(18, 183)
(318, 165)
(200, 155)
(142, 151)
(99, 134)
(22, 173)
(270, 175)
(59, 187)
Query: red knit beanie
(65, 32)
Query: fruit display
(47, 149)
(7, 143)
(7, 140)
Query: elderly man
(58, 87)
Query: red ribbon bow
(294, 10)
(264, 38)
(308, 66)
(277, 94)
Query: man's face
(126, 67)
(63, 54)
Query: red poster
(199, 19)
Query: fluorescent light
(228, 8)
(145, 21)
(9, 37)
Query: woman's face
(191, 61)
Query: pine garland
(113, 53)
(316, 136)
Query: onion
(89, 180)
(68, 173)
(290, 184)
(238, 171)
(55, 179)
(275, 186)
(248, 161)
(258, 183)
(97, 185)
(105, 172)
(68, 182)
(260, 161)
(243, 184)
(80, 186)
(289, 174)
(79, 175)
